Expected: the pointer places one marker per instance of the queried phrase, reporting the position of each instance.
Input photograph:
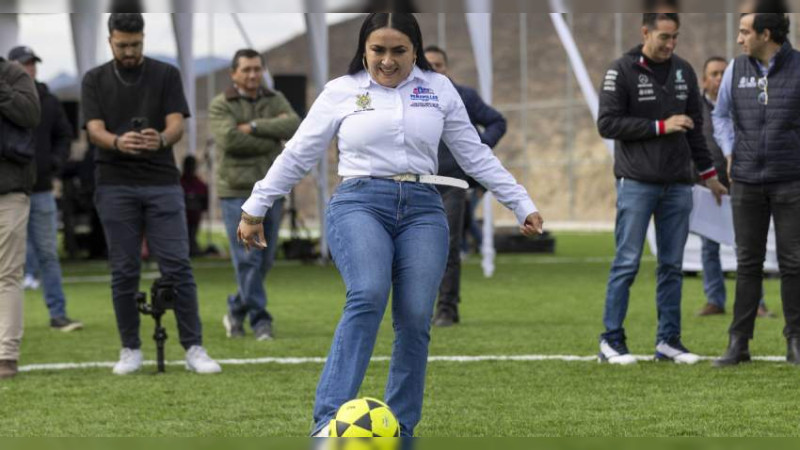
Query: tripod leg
(160, 338)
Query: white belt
(425, 179)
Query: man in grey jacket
(19, 106)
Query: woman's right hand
(251, 236)
(534, 225)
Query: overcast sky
(50, 36)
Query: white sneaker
(615, 353)
(30, 283)
(130, 361)
(198, 361)
(675, 352)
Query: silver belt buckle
(407, 178)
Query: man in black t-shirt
(134, 108)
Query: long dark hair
(404, 23)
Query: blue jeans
(713, 278)
(251, 267)
(637, 202)
(42, 252)
(384, 235)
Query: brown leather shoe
(711, 310)
(764, 313)
(8, 369)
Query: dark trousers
(128, 214)
(454, 200)
(753, 205)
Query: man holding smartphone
(134, 108)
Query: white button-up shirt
(384, 132)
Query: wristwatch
(253, 125)
(163, 141)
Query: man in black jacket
(19, 106)
(53, 137)
(650, 104)
(756, 122)
(455, 199)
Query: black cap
(23, 54)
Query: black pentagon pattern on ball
(373, 404)
(341, 428)
(363, 424)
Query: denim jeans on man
(157, 213)
(42, 252)
(637, 203)
(384, 236)
(753, 205)
(251, 267)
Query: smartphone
(138, 124)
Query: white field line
(532, 260)
(377, 359)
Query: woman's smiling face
(389, 55)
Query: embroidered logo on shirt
(364, 102)
(679, 76)
(422, 97)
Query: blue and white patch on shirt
(422, 97)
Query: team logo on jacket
(644, 79)
(679, 76)
(364, 102)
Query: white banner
(480, 32)
(183, 24)
(579, 68)
(9, 29)
(318, 48)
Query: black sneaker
(446, 316)
(65, 324)
(233, 327)
(263, 332)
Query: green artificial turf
(534, 305)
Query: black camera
(163, 296)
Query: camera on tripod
(163, 296)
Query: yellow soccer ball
(365, 418)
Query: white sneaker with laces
(612, 356)
(130, 361)
(198, 361)
(676, 353)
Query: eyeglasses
(763, 96)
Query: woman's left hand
(533, 225)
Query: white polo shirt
(385, 132)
